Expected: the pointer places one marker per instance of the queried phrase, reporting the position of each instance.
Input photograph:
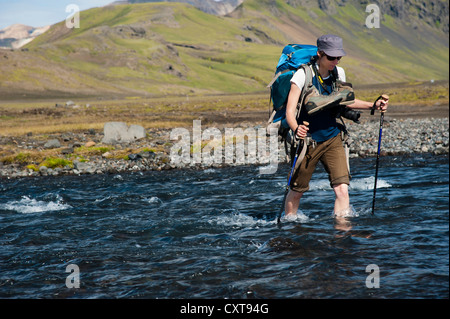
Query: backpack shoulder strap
(335, 73)
(308, 75)
(306, 87)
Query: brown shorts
(331, 154)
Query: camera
(348, 113)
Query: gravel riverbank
(400, 136)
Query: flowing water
(213, 234)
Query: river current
(213, 234)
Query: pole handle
(384, 97)
(306, 124)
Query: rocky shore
(86, 153)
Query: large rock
(84, 167)
(119, 132)
(52, 144)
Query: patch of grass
(21, 158)
(10, 159)
(95, 150)
(53, 162)
(79, 158)
(146, 149)
(33, 167)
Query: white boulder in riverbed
(120, 132)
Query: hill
(169, 48)
(221, 7)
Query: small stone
(66, 151)
(133, 157)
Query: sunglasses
(332, 58)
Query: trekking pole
(384, 97)
(297, 152)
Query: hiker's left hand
(382, 104)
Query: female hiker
(323, 128)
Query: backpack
(293, 57)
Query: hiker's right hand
(301, 131)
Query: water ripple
(213, 234)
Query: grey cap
(331, 44)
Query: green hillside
(176, 49)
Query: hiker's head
(330, 49)
(331, 45)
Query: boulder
(52, 144)
(120, 132)
(83, 167)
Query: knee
(294, 195)
(341, 191)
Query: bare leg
(342, 202)
(292, 202)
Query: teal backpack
(293, 57)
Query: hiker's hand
(382, 104)
(301, 131)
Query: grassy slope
(396, 52)
(223, 64)
(172, 48)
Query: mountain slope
(158, 48)
(221, 7)
(395, 52)
(174, 48)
